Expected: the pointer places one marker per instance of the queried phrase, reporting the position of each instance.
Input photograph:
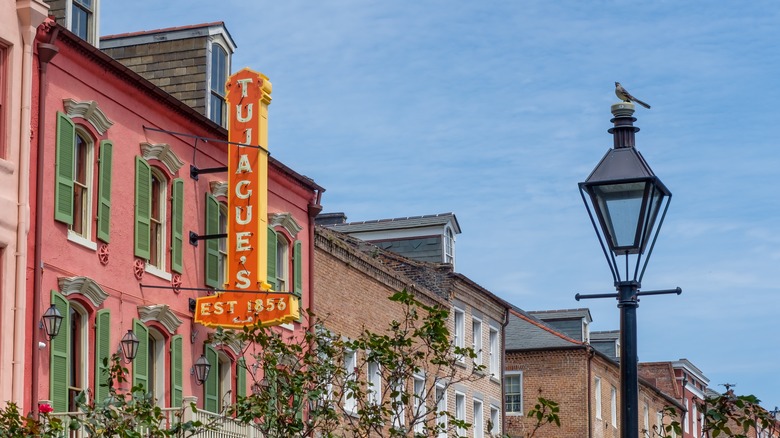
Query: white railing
(217, 426)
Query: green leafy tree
(670, 427)
(737, 416)
(544, 412)
(319, 381)
(129, 414)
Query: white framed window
(219, 73)
(282, 263)
(441, 410)
(398, 406)
(225, 382)
(646, 415)
(78, 354)
(659, 421)
(495, 421)
(157, 231)
(613, 407)
(83, 160)
(156, 365)
(82, 13)
(478, 424)
(686, 418)
(418, 404)
(449, 246)
(459, 318)
(597, 394)
(513, 392)
(460, 411)
(694, 419)
(350, 364)
(495, 352)
(374, 383)
(476, 339)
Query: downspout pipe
(46, 52)
(589, 402)
(501, 371)
(313, 209)
(30, 13)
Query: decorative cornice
(218, 188)
(162, 314)
(84, 286)
(236, 346)
(89, 111)
(286, 221)
(162, 153)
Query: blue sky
(495, 110)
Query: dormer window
(449, 246)
(219, 70)
(82, 18)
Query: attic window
(81, 18)
(218, 78)
(449, 246)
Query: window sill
(514, 414)
(157, 272)
(460, 363)
(494, 378)
(81, 240)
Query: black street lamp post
(627, 198)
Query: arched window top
(162, 153)
(84, 286)
(89, 111)
(162, 314)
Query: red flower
(44, 408)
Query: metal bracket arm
(195, 237)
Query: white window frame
(441, 406)
(211, 92)
(476, 339)
(374, 376)
(495, 420)
(225, 369)
(449, 246)
(495, 352)
(83, 356)
(158, 356)
(459, 329)
(88, 188)
(686, 421)
(460, 411)
(597, 393)
(659, 421)
(613, 403)
(350, 363)
(399, 408)
(282, 263)
(478, 423)
(512, 375)
(695, 418)
(418, 403)
(163, 244)
(646, 414)
(222, 243)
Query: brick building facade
(353, 280)
(541, 361)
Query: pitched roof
(526, 332)
(547, 315)
(609, 335)
(399, 223)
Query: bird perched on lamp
(625, 96)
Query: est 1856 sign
(248, 94)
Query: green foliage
(730, 415)
(670, 426)
(544, 412)
(301, 384)
(129, 414)
(13, 424)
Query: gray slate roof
(399, 223)
(547, 315)
(525, 332)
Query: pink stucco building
(114, 205)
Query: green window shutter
(177, 386)
(297, 268)
(212, 245)
(141, 361)
(104, 191)
(211, 387)
(64, 169)
(271, 274)
(102, 353)
(143, 208)
(59, 362)
(177, 225)
(241, 377)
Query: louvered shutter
(212, 245)
(297, 268)
(177, 387)
(177, 225)
(64, 169)
(241, 377)
(59, 363)
(143, 207)
(104, 191)
(211, 387)
(141, 361)
(271, 274)
(102, 353)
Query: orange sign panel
(239, 309)
(248, 94)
